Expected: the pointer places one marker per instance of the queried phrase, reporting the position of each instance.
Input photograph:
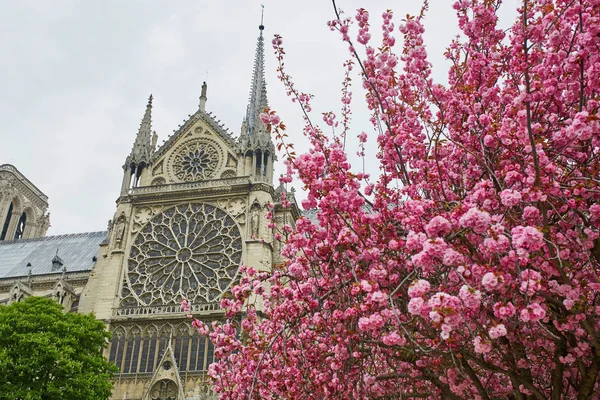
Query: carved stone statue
(120, 230)
(255, 223)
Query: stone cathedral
(190, 212)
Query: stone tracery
(195, 160)
(191, 250)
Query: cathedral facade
(189, 214)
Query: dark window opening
(6, 222)
(21, 226)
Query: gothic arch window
(164, 389)
(139, 349)
(7, 221)
(258, 157)
(21, 226)
(190, 251)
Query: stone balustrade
(165, 310)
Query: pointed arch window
(6, 222)
(21, 226)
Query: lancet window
(136, 349)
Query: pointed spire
(203, 97)
(258, 91)
(142, 147)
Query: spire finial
(261, 27)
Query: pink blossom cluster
(472, 271)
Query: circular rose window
(190, 251)
(195, 161)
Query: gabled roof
(204, 116)
(76, 251)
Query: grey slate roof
(76, 250)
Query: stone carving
(228, 174)
(235, 207)
(6, 188)
(120, 230)
(190, 250)
(142, 215)
(255, 220)
(231, 161)
(158, 169)
(158, 181)
(195, 160)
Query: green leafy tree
(46, 354)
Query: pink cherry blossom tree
(472, 270)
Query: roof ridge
(52, 237)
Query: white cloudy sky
(75, 77)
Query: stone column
(253, 163)
(12, 227)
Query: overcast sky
(75, 77)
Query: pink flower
(446, 330)
(264, 117)
(375, 321)
(435, 316)
(470, 297)
(393, 339)
(568, 303)
(415, 305)
(475, 219)
(530, 282)
(200, 326)
(481, 346)
(414, 241)
(497, 331)
(527, 238)
(452, 257)
(595, 211)
(418, 288)
(504, 311)
(379, 297)
(490, 281)
(185, 305)
(534, 312)
(438, 226)
(510, 198)
(531, 214)
(366, 286)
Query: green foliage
(46, 354)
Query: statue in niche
(120, 230)
(255, 223)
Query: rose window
(195, 161)
(190, 251)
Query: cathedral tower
(190, 213)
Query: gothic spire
(258, 91)
(142, 147)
